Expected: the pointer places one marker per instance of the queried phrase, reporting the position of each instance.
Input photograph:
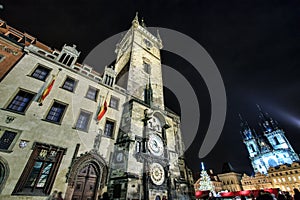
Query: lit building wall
(231, 181)
(285, 177)
(256, 182)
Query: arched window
(62, 57)
(276, 141)
(66, 59)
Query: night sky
(254, 43)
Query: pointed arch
(89, 159)
(4, 172)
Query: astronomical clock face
(147, 43)
(157, 174)
(155, 145)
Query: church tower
(147, 159)
(270, 147)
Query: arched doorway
(4, 172)
(86, 182)
(87, 177)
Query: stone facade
(285, 177)
(231, 181)
(54, 141)
(256, 182)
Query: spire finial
(135, 21)
(158, 35)
(240, 116)
(202, 166)
(258, 107)
(143, 23)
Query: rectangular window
(1, 57)
(69, 84)
(40, 171)
(56, 112)
(92, 93)
(114, 102)
(7, 139)
(109, 128)
(83, 120)
(41, 73)
(147, 67)
(21, 101)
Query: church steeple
(266, 123)
(268, 148)
(246, 131)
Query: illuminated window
(40, 171)
(283, 188)
(109, 128)
(69, 84)
(56, 112)
(21, 101)
(83, 120)
(92, 93)
(283, 179)
(274, 180)
(41, 73)
(290, 179)
(279, 180)
(294, 178)
(114, 102)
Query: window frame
(147, 67)
(117, 100)
(13, 142)
(59, 152)
(113, 130)
(87, 123)
(13, 99)
(96, 95)
(2, 57)
(75, 84)
(42, 66)
(62, 115)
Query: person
(288, 196)
(281, 197)
(53, 196)
(296, 194)
(105, 196)
(264, 196)
(59, 196)
(243, 197)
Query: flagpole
(47, 90)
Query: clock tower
(138, 61)
(147, 162)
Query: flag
(46, 91)
(102, 111)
